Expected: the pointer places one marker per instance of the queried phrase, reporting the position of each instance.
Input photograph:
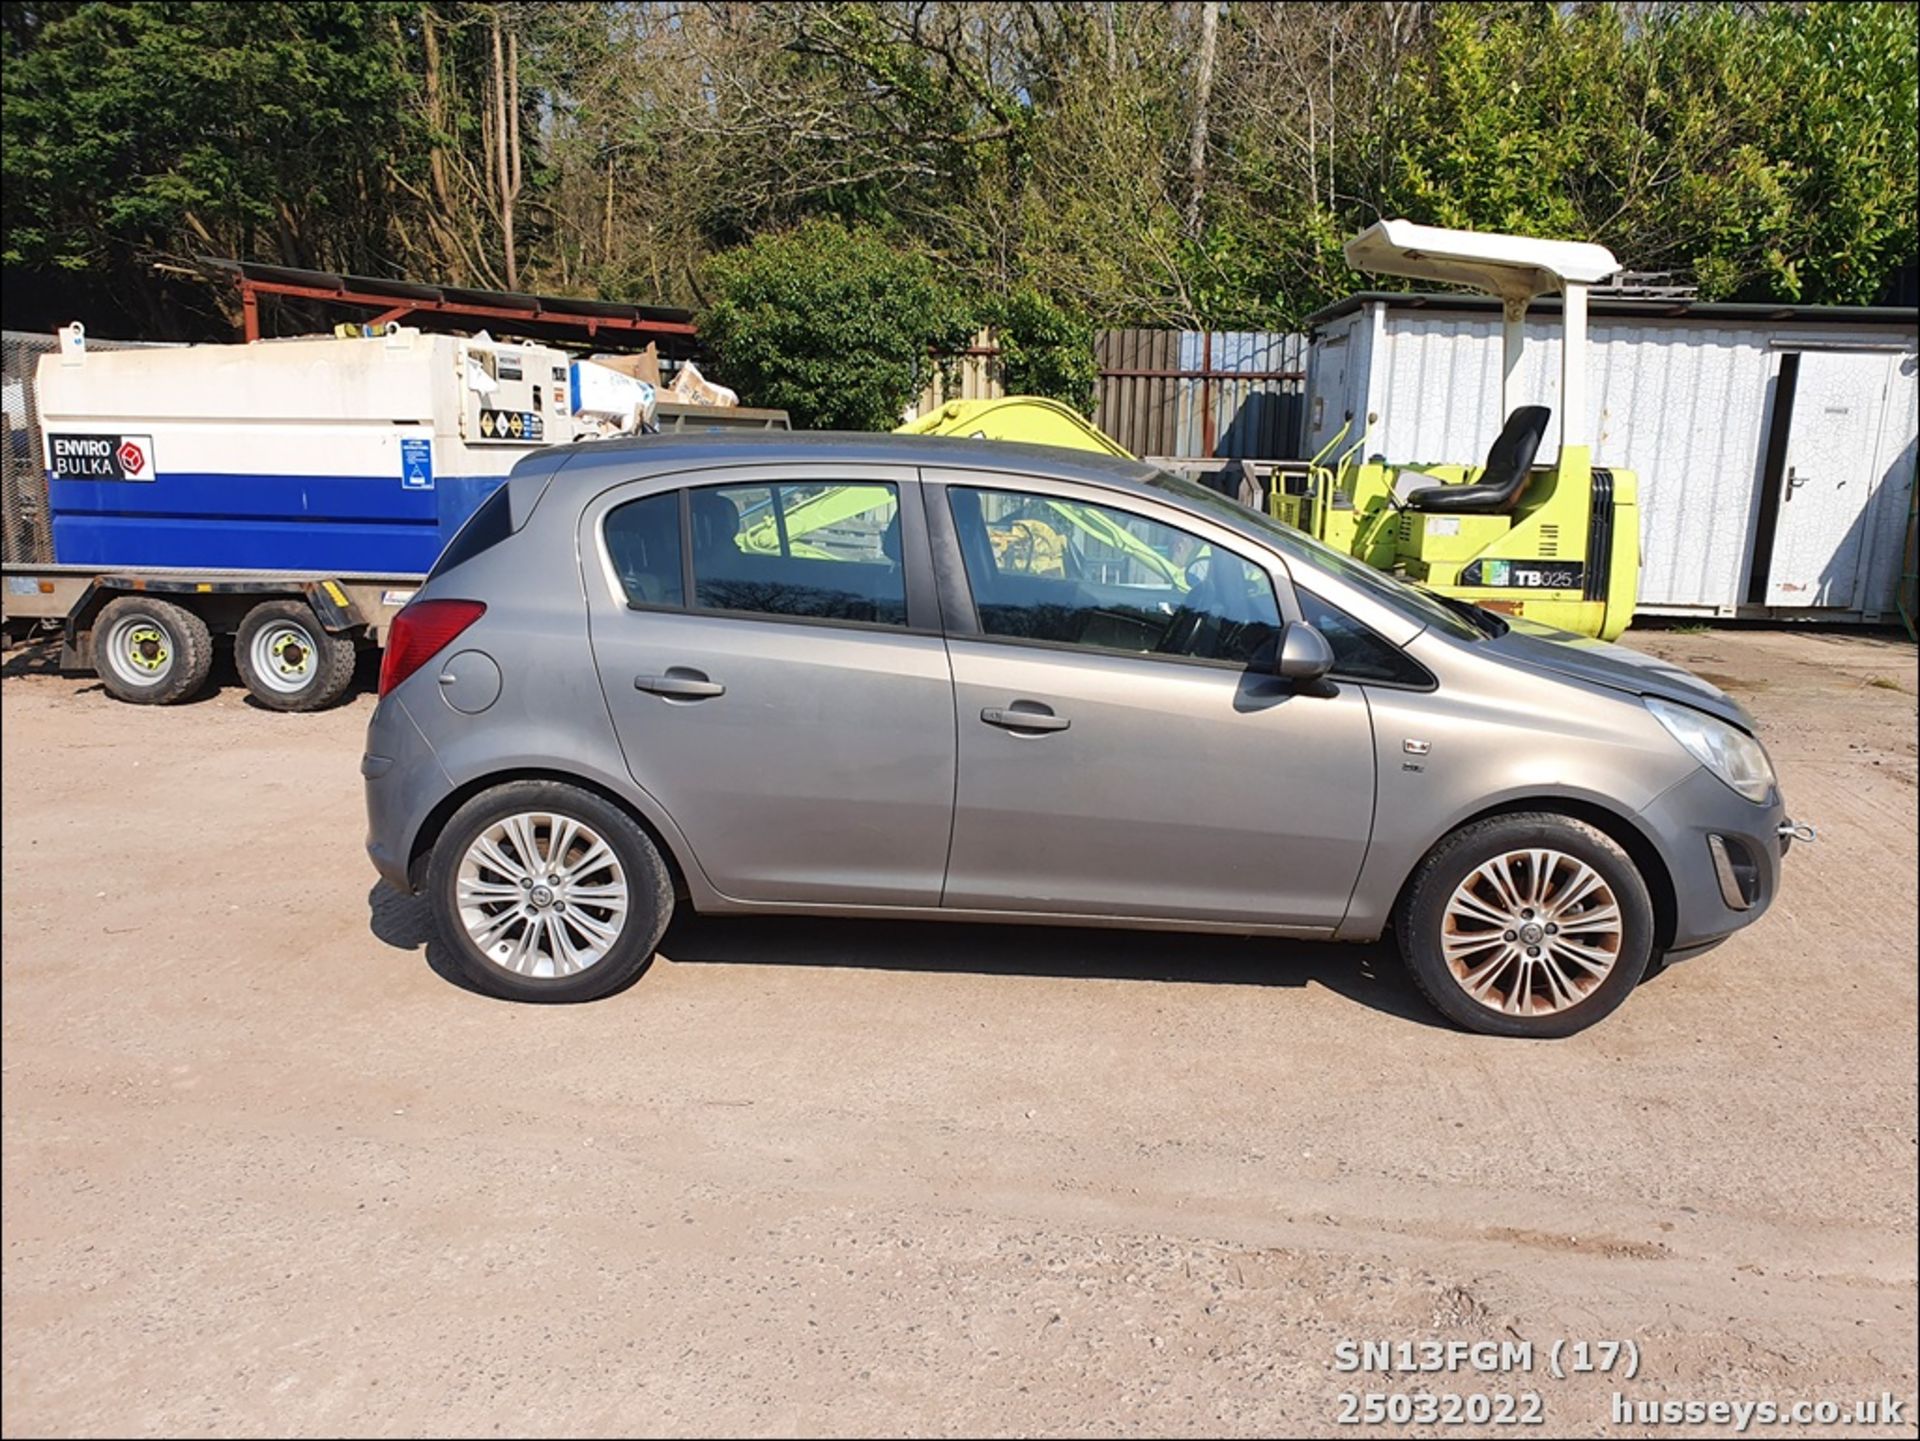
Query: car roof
(586, 465)
(653, 453)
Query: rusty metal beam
(1206, 378)
(588, 325)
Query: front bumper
(1723, 853)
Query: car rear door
(768, 643)
(1124, 748)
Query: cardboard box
(641, 365)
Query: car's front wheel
(1526, 925)
(546, 892)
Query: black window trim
(1422, 687)
(940, 600)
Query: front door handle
(1794, 482)
(1014, 719)
(679, 684)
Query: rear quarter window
(485, 528)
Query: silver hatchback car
(924, 677)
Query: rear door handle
(680, 685)
(1013, 719)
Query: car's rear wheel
(545, 892)
(1526, 925)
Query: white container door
(1826, 493)
(1332, 397)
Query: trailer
(288, 494)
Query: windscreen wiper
(1481, 619)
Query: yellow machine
(1037, 544)
(1029, 418)
(1557, 543)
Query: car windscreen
(1418, 605)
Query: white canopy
(1513, 267)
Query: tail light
(421, 631)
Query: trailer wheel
(288, 661)
(150, 652)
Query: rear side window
(485, 528)
(643, 541)
(1358, 653)
(820, 551)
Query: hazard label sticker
(512, 425)
(416, 463)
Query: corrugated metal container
(1774, 444)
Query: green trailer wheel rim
(139, 650)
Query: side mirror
(1304, 653)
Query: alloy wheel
(541, 895)
(1532, 932)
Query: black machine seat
(1504, 477)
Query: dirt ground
(268, 1170)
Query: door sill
(1105, 921)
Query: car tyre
(548, 893)
(1534, 925)
(150, 652)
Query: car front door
(768, 644)
(1124, 747)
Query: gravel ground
(268, 1170)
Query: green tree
(1044, 349)
(137, 133)
(1816, 202)
(1767, 151)
(1056, 157)
(831, 324)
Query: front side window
(824, 551)
(1416, 603)
(1044, 568)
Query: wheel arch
(430, 829)
(1616, 826)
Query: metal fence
(1225, 393)
(28, 535)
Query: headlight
(1729, 752)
